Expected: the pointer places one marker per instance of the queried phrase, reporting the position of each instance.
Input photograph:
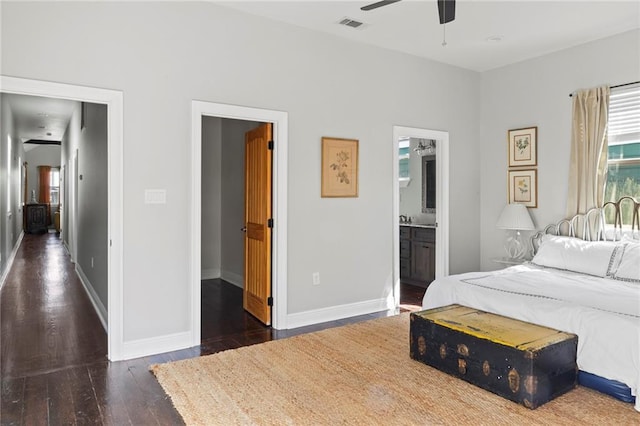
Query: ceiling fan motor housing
(446, 10)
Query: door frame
(279, 119)
(73, 217)
(442, 201)
(114, 101)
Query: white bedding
(604, 313)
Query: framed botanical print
(523, 187)
(339, 167)
(523, 147)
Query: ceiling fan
(446, 8)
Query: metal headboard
(591, 226)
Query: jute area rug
(356, 374)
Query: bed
(586, 282)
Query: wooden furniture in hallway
(35, 218)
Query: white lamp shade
(515, 216)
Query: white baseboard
(183, 340)
(233, 278)
(10, 259)
(66, 247)
(210, 274)
(156, 345)
(93, 296)
(333, 313)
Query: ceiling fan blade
(446, 10)
(378, 4)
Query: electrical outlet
(316, 278)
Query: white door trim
(73, 222)
(279, 244)
(442, 201)
(114, 101)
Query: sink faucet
(403, 219)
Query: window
(54, 185)
(623, 175)
(403, 158)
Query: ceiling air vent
(350, 23)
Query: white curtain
(588, 168)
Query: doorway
(279, 211)
(441, 223)
(236, 208)
(114, 102)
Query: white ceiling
(528, 28)
(39, 118)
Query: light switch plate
(155, 196)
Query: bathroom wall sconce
(422, 149)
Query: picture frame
(339, 167)
(523, 147)
(523, 187)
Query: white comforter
(604, 313)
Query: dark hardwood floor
(53, 347)
(46, 318)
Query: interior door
(257, 214)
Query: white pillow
(573, 254)
(628, 268)
(631, 237)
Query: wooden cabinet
(35, 218)
(417, 255)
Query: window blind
(623, 174)
(624, 115)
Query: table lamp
(515, 218)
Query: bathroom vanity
(417, 254)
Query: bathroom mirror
(429, 184)
(417, 179)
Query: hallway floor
(53, 346)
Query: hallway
(54, 351)
(53, 347)
(47, 319)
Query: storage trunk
(523, 362)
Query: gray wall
(233, 132)
(536, 93)
(10, 172)
(211, 169)
(222, 251)
(92, 199)
(164, 55)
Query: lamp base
(514, 246)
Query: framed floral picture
(339, 167)
(523, 187)
(523, 147)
